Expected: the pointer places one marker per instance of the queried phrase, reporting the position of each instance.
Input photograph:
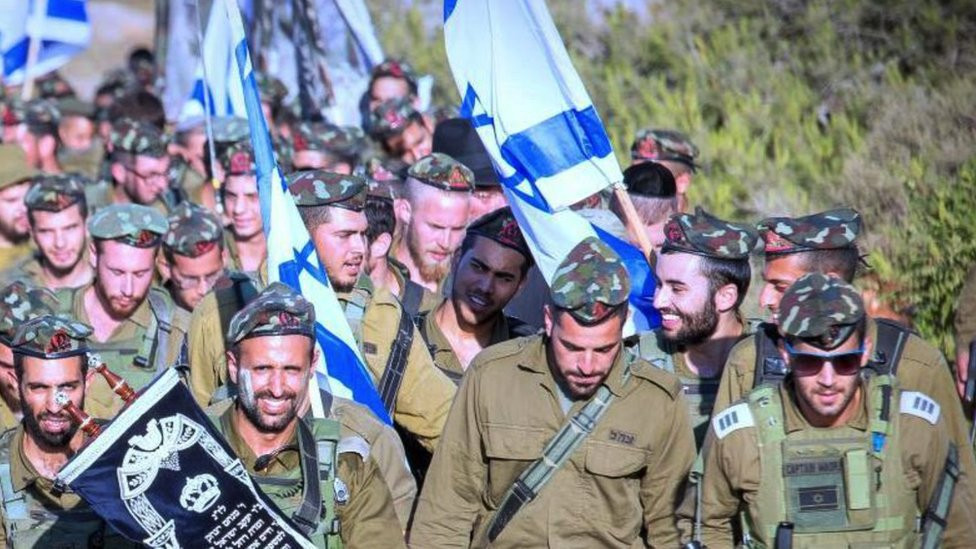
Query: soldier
(40, 141)
(271, 357)
(652, 190)
(15, 180)
(50, 363)
(832, 457)
(273, 93)
(57, 211)
(139, 165)
(516, 469)
(434, 212)
(457, 138)
(672, 149)
(80, 150)
(193, 254)
(704, 273)
(490, 269)
(391, 79)
(247, 247)
(323, 146)
(403, 131)
(18, 304)
(137, 329)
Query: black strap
(937, 513)
(520, 495)
(770, 366)
(413, 295)
(890, 344)
(309, 513)
(396, 364)
(244, 293)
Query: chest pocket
(830, 488)
(614, 461)
(510, 449)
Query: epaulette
(667, 381)
(353, 444)
(732, 419)
(508, 348)
(920, 405)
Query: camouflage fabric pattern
(395, 68)
(704, 234)
(820, 307)
(501, 226)
(591, 282)
(273, 91)
(229, 129)
(56, 192)
(237, 158)
(391, 117)
(51, 336)
(388, 190)
(42, 116)
(135, 225)
(344, 141)
(20, 303)
(322, 188)
(828, 230)
(13, 166)
(139, 138)
(277, 310)
(193, 230)
(442, 171)
(653, 144)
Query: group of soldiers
(526, 412)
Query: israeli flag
(61, 25)
(544, 136)
(291, 255)
(220, 79)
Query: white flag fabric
(62, 26)
(225, 89)
(291, 255)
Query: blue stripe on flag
(467, 109)
(449, 6)
(643, 281)
(67, 9)
(16, 56)
(197, 95)
(557, 144)
(344, 365)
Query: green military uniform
(34, 514)
(355, 504)
(704, 235)
(14, 171)
(614, 486)
(861, 484)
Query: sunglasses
(847, 363)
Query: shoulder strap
(888, 348)
(937, 513)
(770, 366)
(413, 295)
(318, 466)
(163, 314)
(569, 437)
(14, 503)
(396, 364)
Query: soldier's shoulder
(655, 377)
(20, 270)
(381, 300)
(735, 417)
(356, 419)
(920, 405)
(742, 355)
(506, 352)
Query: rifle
(969, 395)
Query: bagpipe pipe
(161, 474)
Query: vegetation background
(797, 106)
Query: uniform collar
(794, 420)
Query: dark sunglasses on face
(846, 363)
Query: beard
(695, 327)
(58, 440)
(431, 271)
(15, 230)
(248, 401)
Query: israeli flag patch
(732, 419)
(920, 405)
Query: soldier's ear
(92, 253)
(547, 320)
(726, 298)
(381, 246)
(163, 266)
(118, 171)
(868, 351)
(403, 211)
(232, 366)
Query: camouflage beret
(322, 188)
(820, 307)
(828, 230)
(230, 129)
(395, 68)
(14, 168)
(442, 171)
(391, 117)
(237, 158)
(20, 303)
(273, 90)
(56, 192)
(385, 169)
(704, 234)
(72, 106)
(193, 230)
(387, 190)
(140, 138)
(591, 282)
(51, 336)
(14, 111)
(651, 144)
(501, 226)
(277, 310)
(42, 116)
(344, 141)
(135, 225)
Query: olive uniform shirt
(30, 271)
(10, 255)
(87, 163)
(428, 299)
(618, 489)
(234, 259)
(367, 520)
(732, 470)
(8, 420)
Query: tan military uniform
(428, 299)
(618, 487)
(29, 270)
(234, 259)
(9, 256)
(7, 418)
(367, 520)
(50, 520)
(733, 469)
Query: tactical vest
(839, 487)
(29, 523)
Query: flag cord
(206, 100)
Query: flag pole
(633, 221)
(208, 124)
(33, 50)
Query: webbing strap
(413, 294)
(163, 314)
(888, 349)
(396, 364)
(533, 479)
(937, 513)
(309, 512)
(771, 369)
(14, 504)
